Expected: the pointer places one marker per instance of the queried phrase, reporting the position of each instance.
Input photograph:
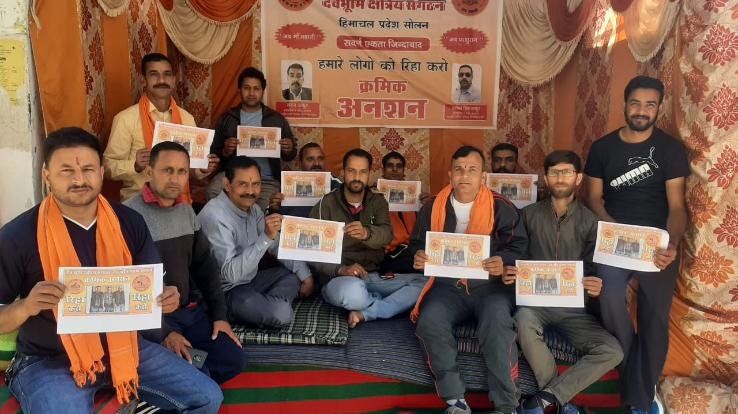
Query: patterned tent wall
(87, 75)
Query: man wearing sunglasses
(466, 92)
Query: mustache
(79, 187)
(162, 85)
(356, 182)
(295, 83)
(248, 196)
(316, 168)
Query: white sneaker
(657, 407)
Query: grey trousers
(489, 302)
(266, 300)
(601, 350)
(268, 188)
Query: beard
(355, 190)
(631, 121)
(562, 191)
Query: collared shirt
(149, 197)
(126, 138)
(471, 95)
(238, 241)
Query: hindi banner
(110, 299)
(520, 189)
(401, 195)
(304, 188)
(549, 283)
(310, 240)
(456, 255)
(195, 140)
(628, 246)
(369, 63)
(258, 141)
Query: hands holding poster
(456, 255)
(258, 141)
(401, 195)
(549, 283)
(363, 63)
(628, 246)
(110, 299)
(195, 140)
(310, 240)
(521, 189)
(304, 188)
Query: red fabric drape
(221, 10)
(168, 4)
(567, 26)
(620, 5)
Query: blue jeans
(45, 385)
(375, 297)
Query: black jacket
(509, 239)
(228, 126)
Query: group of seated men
(221, 268)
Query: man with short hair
(636, 175)
(132, 132)
(355, 284)
(311, 158)
(76, 226)
(466, 205)
(252, 112)
(561, 228)
(466, 92)
(295, 78)
(397, 257)
(241, 237)
(505, 158)
(200, 322)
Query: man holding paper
(466, 205)
(636, 175)
(75, 226)
(561, 228)
(201, 321)
(252, 112)
(355, 284)
(132, 132)
(241, 237)
(311, 158)
(397, 258)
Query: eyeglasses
(560, 173)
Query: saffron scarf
(481, 221)
(148, 125)
(85, 351)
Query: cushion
(562, 350)
(315, 323)
(7, 348)
(687, 395)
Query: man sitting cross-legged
(355, 284)
(561, 228)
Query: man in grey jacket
(561, 228)
(240, 236)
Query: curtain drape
(114, 8)
(198, 39)
(646, 24)
(531, 53)
(620, 5)
(566, 23)
(222, 11)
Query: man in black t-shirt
(636, 175)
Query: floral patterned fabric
(705, 315)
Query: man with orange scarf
(75, 226)
(467, 206)
(132, 132)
